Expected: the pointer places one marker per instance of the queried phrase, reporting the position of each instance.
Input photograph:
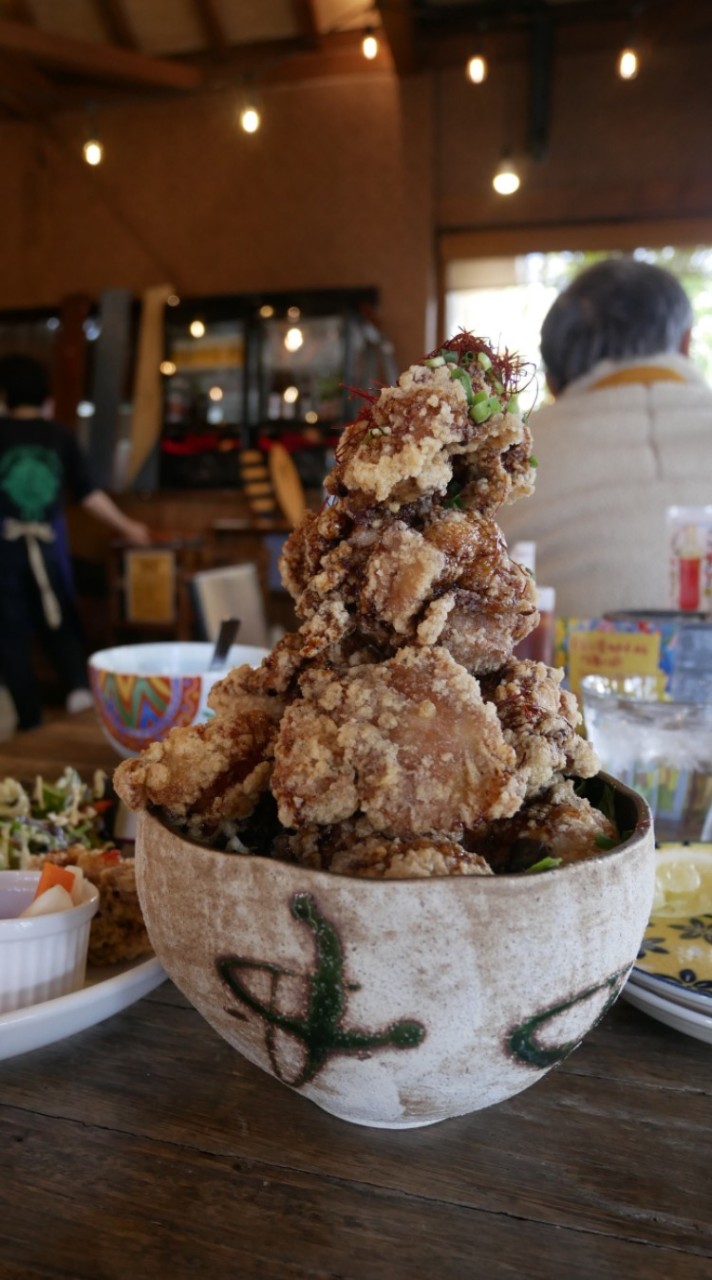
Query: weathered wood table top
(145, 1148)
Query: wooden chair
(232, 591)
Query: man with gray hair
(629, 434)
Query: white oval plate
(668, 1011)
(106, 991)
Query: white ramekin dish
(41, 957)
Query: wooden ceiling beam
(25, 90)
(397, 24)
(211, 22)
(91, 59)
(276, 61)
(117, 23)
(19, 11)
(306, 19)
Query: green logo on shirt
(31, 476)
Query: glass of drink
(661, 748)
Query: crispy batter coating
(556, 824)
(539, 720)
(446, 579)
(215, 770)
(408, 742)
(352, 848)
(419, 436)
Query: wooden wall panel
(349, 182)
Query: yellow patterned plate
(675, 960)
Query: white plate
(668, 1011)
(105, 992)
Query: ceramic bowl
(41, 957)
(141, 691)
(403, 1002)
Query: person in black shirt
(40, 462)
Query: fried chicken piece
(557, 824)
(408, 742)
(214, 771)
(352, 848)
(539, 720)
(118, 931)
(448, 582)
(407, 443)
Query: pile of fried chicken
(394, 734)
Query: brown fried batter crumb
(557, 824)
(408, 742)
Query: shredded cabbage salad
(50, 815)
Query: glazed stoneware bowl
(398, 1003)
(142, 691)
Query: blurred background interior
(221, 216)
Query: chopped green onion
(485, 408)
(480, 397)
(513, 405)
(533, 462)
(603, 841)
(484, 360)
(498, 386)
(435, 363)
(459, 375)
(544, 864)
(450, 357)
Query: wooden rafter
(105, 62)
(19, 11)
(211, 21)
(306, 19)
(117, 23)
(397, 23)
(25, 90)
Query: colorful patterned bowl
(141, 691)
(398, 1003)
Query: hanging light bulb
(477, 69)
(250, 118)
(92, 150)
(506, 180)
(628, 63)
(293, 339)
(369, 45)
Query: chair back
(231, 592)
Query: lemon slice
(683, 880)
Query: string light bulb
(506, 180)
(628, 63)
(293, 339)
(477, 69)
(92, 149)
(369, 45)
(250, 119)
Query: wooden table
(146, 1149)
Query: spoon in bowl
(229, 628)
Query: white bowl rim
(31, 927)
(118, 660)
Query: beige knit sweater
(610, 461)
